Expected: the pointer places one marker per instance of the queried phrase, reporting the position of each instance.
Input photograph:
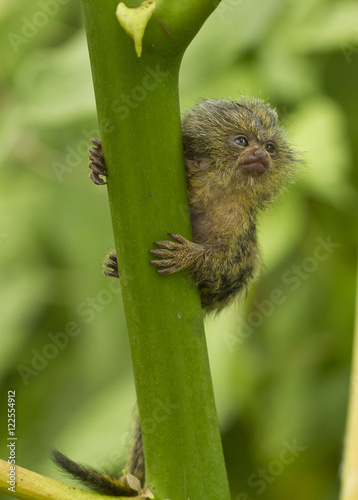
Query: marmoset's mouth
(255, 167)
(254, 162)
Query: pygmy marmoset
(237, 159)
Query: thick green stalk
(138, 110)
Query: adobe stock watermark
(292, 278)
(75, 156)
(259, 480)
(161, 413)
(122, 105)
(226, 7)
(125, 102)
(87, 310)
(30, 27)
(350, 49)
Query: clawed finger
(112, 274)
(161, 253)
(97, 143)
(177, 237)
(170, 245)
(111, 264)
(95, 152)
(167, 270)
(162, 262)
(96, 179)
(113, 257)
(98, 167)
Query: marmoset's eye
(241, 140)
(270, 148)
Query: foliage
(281, 371)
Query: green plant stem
(32, 486)
(138, 110)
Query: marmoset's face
(242, 140)
(253, 156)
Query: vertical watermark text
(11, 445)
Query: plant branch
(138, 110)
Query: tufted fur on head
(211, 158)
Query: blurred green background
(281, 359)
